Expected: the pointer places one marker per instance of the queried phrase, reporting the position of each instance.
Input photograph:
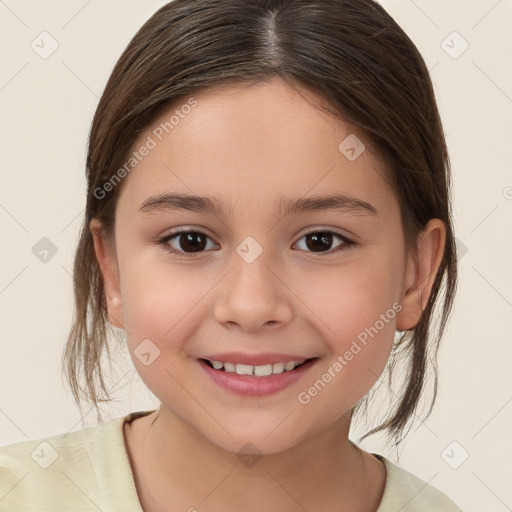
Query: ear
(105, 255)
(420, 274)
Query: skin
(249, 146)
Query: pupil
(188, 244)
(323, 238)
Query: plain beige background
(48, 100)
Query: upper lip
(254, 359)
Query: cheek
(164, 306)
(351, 298)
(160, 309)
(160, 299)
(358, 352)
(355, 309)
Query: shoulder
(36, 471)
(72, 469)
(408, 493)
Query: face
(252, 282)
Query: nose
(252, 297)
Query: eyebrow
(207, 204)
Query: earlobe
(105, 256)
(116, 301)
(421, 273)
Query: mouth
(265, 378)
(257, 371)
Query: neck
(175, 464)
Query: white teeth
(229, 367)
(259, 371)
(278, 368)
(263, 371)
(244, 369)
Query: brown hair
(350, 53)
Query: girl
(268, 221)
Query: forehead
(249, 143)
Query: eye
(323, 241)
(185, 242)
(190, 242)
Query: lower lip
(256, 386)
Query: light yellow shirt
(89, 470)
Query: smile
(267, 375)
(257, 371)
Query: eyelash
(347, 243)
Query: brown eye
(189, 243)
(321, 242)
(185, 243)
(192, 242)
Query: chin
(257, 438)
(253, 445)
